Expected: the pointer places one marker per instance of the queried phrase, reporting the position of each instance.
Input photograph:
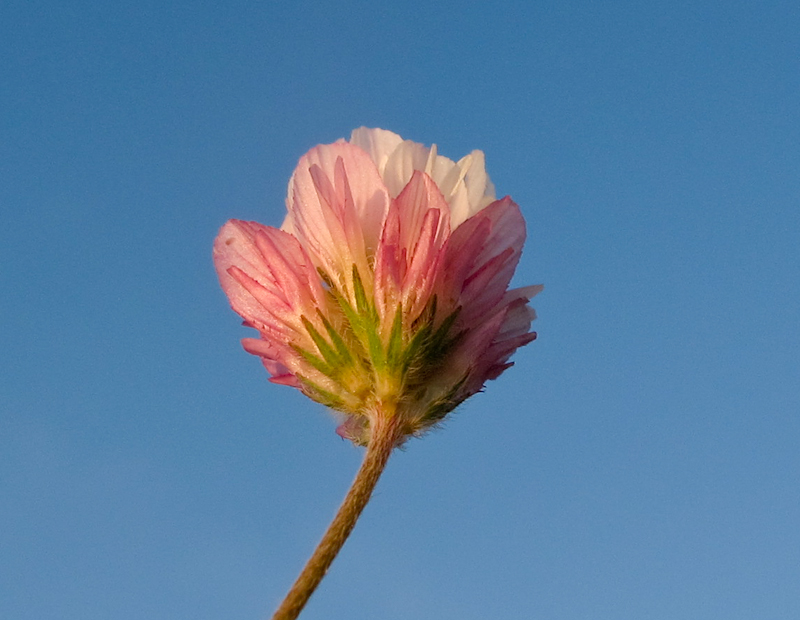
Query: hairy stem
(385, 435)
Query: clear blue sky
(640, 462)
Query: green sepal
(427, 347)
(360, 328)
(322, 396)
(329, 354)
(394, 348)
(441, 341)
(341, 346)
(363, 306)
(421, 327)
(320, 364)
(363, 320)
(445, 404)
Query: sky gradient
(641, 461)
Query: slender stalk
(386, 434)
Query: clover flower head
(386, 290)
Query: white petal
(479, 188)
(401, 164)
(378, 143)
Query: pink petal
(270, 356)
(515, 329)
(471, 354)
(271, 282)
(408, 258)
(337, 203)
(390, 265)
(481, 257)
(235, 247)
(423, 263)
(270, 258)
(418, 197)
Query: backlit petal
(337, 207)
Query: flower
(385, 292)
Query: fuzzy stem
(386, 433)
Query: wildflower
(384, 295)
(385, 292)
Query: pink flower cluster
(385, 292)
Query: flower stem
(386, 433)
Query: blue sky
(642, 459)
